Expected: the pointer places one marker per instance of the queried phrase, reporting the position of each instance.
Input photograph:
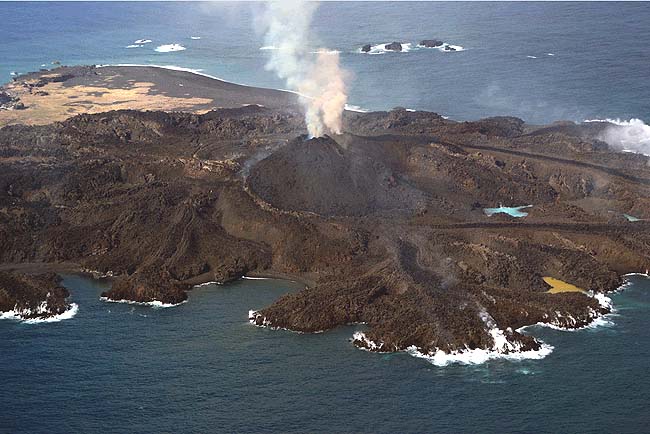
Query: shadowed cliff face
(385, 221)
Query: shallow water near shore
(201, 367)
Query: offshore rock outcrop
(393, 46)
(431, 43)
(385, 221)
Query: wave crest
(19, 315)
(381, 48)
(502, 349)
(407, 47)
(169, 48)
(156, 304)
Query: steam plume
(320, 81)
(632, 135)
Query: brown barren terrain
(385, 221)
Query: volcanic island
(163, 179)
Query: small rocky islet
(384, 222)
(399, 46)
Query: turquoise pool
(512, 211)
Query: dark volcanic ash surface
(385, 222)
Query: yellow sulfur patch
(558, 286)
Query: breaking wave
(478, 356)
(407, 47)
(627, 136)
(154, 303)
(646, 274)
(454, 48)
(169, 48)
(355, 108)
(502, 349)
(196, 38)
(443, 48)
(381, 49)
(134, 46)
(597, 319)
(213, 282)
(19, 315)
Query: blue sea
(201, 367)
(539, 61)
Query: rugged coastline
(385, 222)
(34, 298)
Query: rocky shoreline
(384, 222)
(34, 298)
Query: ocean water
(201, 367)
(539, 61)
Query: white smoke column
(325, 84)
(320, 81)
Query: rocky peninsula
(165, 179)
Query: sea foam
(169, 48)
(381, 48)
(355, 108)
(442, 47)
(456, 48)
(19, 315)
(501, 349)
(597, 319)
(479, 356)
(214, 282)
(646, 274)
(153, 303)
